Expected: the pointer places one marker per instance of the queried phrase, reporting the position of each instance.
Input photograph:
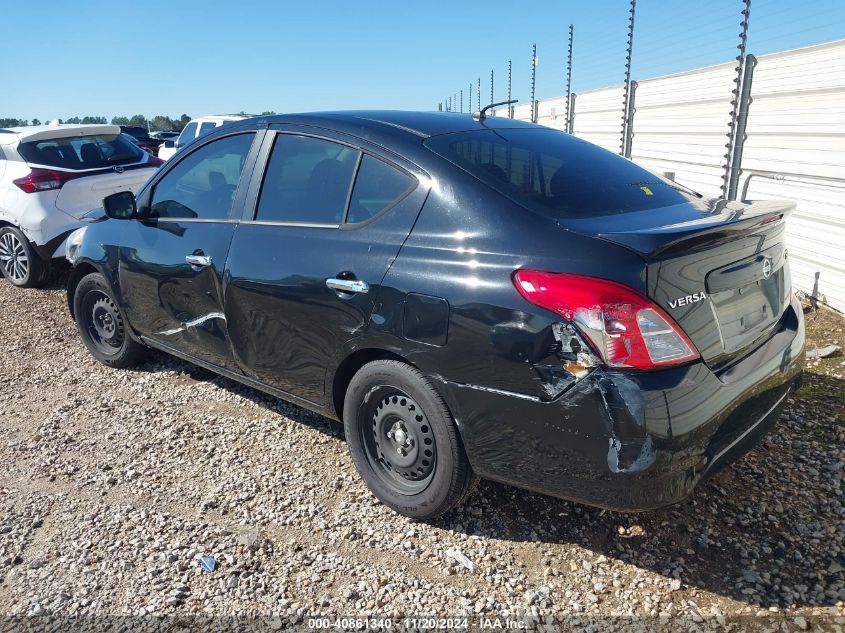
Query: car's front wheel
(101, 324)
(404, 442)
(20, 264)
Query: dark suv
(142, 138)
(470, 296)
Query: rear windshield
(82, 152)
(555, 173)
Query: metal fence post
(510, 98)
(628, 141)
(741, 123)
(570, 122)
(533, 83)
(735, 96)
(569, 78)
(627, 88)
(479, 94)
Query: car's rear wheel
(404, 442)
(20, 264)
(101, 324)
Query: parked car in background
(165, 135)
(197, 128)
(142, 138)
(52, 175)
(470, 296)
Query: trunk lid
(86, 192)
(718, 268)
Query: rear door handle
(198, 261)
(348, 285)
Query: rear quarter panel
(464, 248)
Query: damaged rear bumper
(634, 440)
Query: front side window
(188, 134)
(307, 180)
(557, 174)
(203, 184)
(98, 151)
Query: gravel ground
(114, 484)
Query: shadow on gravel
(768, 530)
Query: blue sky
(103, 58)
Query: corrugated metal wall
(598, 117)
(794, 148)
(681, 126)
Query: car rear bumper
(636, 440)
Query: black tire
(389, 406)
(19, 263)
(101, 324)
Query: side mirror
(120, 205)
(170, 144)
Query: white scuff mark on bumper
(194, 323)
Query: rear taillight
(44, 180)
(154, 161)
(624, 327)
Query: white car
(50, 177)
(195, 129)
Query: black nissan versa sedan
(471, 296)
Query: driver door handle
(348, 285)
(198, 261)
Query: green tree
(73, 119)
(36, 122)
(138, 119)
(119, 120)
(267, 112)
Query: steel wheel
(13, 258)
(398, 440)
(103, 322)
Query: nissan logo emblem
(767, 268)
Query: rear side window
(307, 180)
(82, 152)
(377, 186)
(555, 173)
(207, 127)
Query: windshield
(555, 173)
(82, 152)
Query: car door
(172, 259)
(325, 218)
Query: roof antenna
(482, 114)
